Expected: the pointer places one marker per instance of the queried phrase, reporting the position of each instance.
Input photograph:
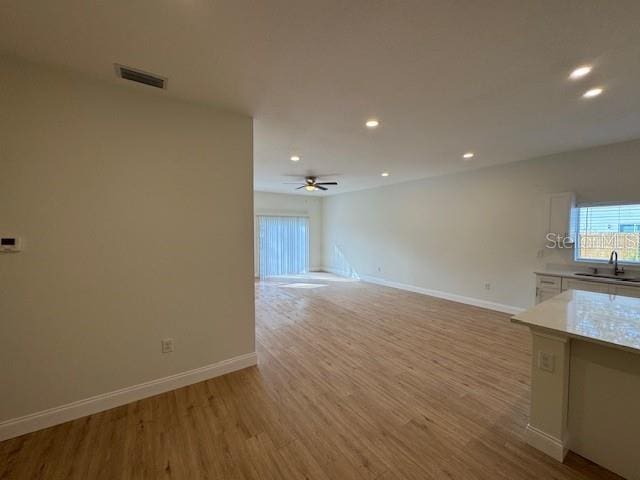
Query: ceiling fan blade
(317, 185)
(300, 187)
(327, 183)
(291, 183)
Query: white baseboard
(81, 408)
(329, 270)
(447, 296)
(552, 446)
(335, 271)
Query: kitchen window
(600, 229)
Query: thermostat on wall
(9, 244)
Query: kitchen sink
(609, 276)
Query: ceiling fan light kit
(311, 184)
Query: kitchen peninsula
(585, 378)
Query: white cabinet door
(546, 294)
(558, 214)
(547, 286)
(626, 291)
(572, 284)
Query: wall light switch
(546, 361)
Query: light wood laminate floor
(355, 381)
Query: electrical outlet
(167, 345)
(487, 286)
(546, 361)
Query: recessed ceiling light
(594, 92)
(580, 72)
(372, 123)
(384, 174)
(468, 155)
(295, 158)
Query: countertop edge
(574, 336)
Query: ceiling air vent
(139, 76)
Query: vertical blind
(283, 245)
(603, 228)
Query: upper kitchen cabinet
(558, 208)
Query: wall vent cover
(139, 76)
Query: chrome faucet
(613, 260)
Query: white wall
(457, 232)
(136, 212)
(283, 204)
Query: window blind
(283, 245)
(603, 228)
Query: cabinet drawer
(572, 284)
(548, 282)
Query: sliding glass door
(283, 244)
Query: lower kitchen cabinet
(573, 284)
(548, 286)
(625, 291)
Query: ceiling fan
(311, 184)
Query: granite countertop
(612, 320)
